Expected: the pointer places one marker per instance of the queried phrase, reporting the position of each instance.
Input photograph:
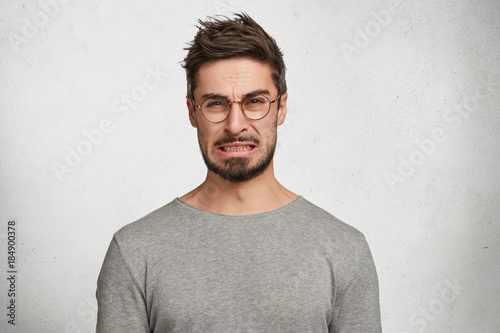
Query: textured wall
(393, 127)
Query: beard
(238, 169)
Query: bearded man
(240, 253)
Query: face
(237, 149)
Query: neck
(260, 194)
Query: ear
(282, 110)
(192, 112)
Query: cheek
(268, 134)
(206, 136)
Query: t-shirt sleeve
(356, 307)
(120, 298)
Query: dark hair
(224, 38)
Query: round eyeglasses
(216, 109)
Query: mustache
(231, 139)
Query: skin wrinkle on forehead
(237, 77)
(249, 94)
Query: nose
(236, 122)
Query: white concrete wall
(393, 127)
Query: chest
(240, 282)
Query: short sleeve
(357, 308)
(120, 299)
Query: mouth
(237, 149)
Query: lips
(237, 149)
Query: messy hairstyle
(224, 38)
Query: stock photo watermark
(121, 109)
(47, 10)
(10, 239)
(372, 29)
(449, 293)
(424, 149)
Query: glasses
(216, 109)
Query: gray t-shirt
(293, 269)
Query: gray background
(392, 126)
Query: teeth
(237, 148)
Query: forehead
(235, 76)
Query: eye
(255, 100)
(214, 103)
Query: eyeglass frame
(241, 106)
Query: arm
(120, 298)
(356, 307)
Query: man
(240, 253)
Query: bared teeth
(236, 148)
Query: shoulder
(150, 228)
(344, 245)
(328, 224)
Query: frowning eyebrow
(250, 94)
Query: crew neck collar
(254, 215)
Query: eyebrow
(249, 94)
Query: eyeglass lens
(216, 109)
